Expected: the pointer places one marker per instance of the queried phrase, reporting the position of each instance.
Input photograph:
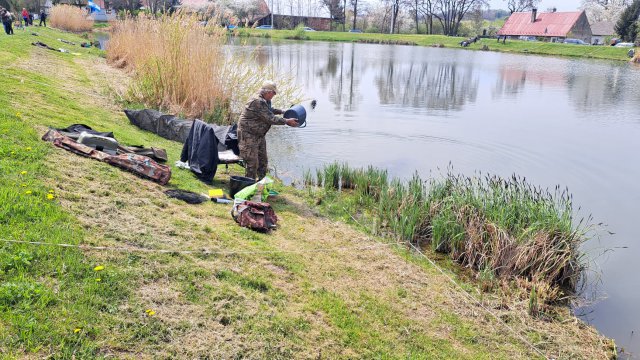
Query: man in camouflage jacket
(255, 121)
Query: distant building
(291, 15)
(602, 30)
(554, 26)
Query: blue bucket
(297, 112)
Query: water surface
(570, 122)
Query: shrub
(70, 18)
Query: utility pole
(272, 15)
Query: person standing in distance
(255, 121)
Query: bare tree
(451, 12)
(336, 10)
(156, 6)
(477, 18)
(395, 9)
(522, 5)
(129, 5)
(354, 4)
(426, 8)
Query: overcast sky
(562, 5)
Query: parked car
(623, 44)
(355, 31)
(265, 27)
(528, 38)
(575, 42)
(308, 29)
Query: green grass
(511, 46)
(274, 303)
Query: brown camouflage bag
(69, 144)
(143, 166)
(258, 216)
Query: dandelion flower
(50, 196)
(28, 148)
(18, 114)
(28, 192)
(23, 172)
(98, 268)
(51, 191)
(150, 312)
(76, 330)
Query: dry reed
(502, 228)
(183, 67)
(70, 18)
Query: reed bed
(183, 67)
(70, 18)
(503, 228)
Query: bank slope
(315, 288)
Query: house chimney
(534, 13)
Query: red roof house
(553, 25)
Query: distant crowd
(8, 19)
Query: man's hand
(292, 122)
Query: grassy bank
(503, 229)
(315, 288)
(511, 46)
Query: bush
(299, 33)
(70, 18)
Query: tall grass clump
(299, 33)
(183, 67)
(504, 227)
(70, 18)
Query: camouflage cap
(270, 86)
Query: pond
(556, 121)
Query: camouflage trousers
(253, 150)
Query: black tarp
(176, 129)
(168, 126)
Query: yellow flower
(51, 191)
(150, 312)
(98, 268)
(98, 280)
(28, 192)
(76, 330)
(18, 114)
(50, 196)
(23, 172)
(28, 148)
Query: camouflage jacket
(258, 116)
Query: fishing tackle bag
(258, 216)
(142, 166)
